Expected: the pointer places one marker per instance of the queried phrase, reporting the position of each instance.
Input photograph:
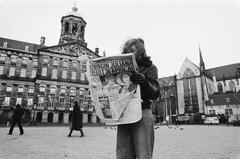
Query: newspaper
(116, 99)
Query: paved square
(193, 142)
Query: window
(75, 64)
(72, 92)
(232, 86)
(2, 58)
(1, 70)
(12, 71)
(211, 101)
(81, 91)
(14, 59)
(220, 87)
(31, 90)
(9, 89)
(52, 90)
(25, 61)
(66, 27)
(62, 90)
(83, 76)
(228, 111)
(65, 64)
(19, 101)
(42, 89)
(55, 62)
(7, 101)
(74, 75)
(23, 72)
(212, 112)
(54, 73)
(45, 60)
(64, 74)
(20, 89)
(84, 66)
(30, 101)
(41, 99)
(227, 100)
(61, 102)
(35, 63)
(44, 71)
(34, 73)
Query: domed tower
(73, 28)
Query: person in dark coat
(17, 119)
(76, 120)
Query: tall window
(64, 74)
(65, 63)
(1, 70)
(42, 89)
(82, 77)
(55, 62)
(14, 59)
(30, 101)
(41, 99)
(23, 72)
(19, 101)
(12, 71)
(20, 89)
(25, 61)
(9, 89)
(54, 73)
(33, 73)
(31, 90)
(61, 102)
(232, 86)
(73, 75)
(220, 87)
(44, 71)
(75, 64)
(35, 63)
(2, 58)
(7, 101)
(52, 90)
(84, 66)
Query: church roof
(224, 72)
(223, 99)
(19, 45)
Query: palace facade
(46, 80)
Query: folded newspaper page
(116, 99)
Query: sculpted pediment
(74, 49)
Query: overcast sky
(172, 30)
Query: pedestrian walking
(136, 140)
(76, 120)
(17, 119)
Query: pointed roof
(201, 59)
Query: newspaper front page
(116, 99)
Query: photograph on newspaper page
(116, 99)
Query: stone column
(55, 117)
(65, 118)
(44, 116)
(85, 118)
(94, 118)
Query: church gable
(72, 49)
(188, 69)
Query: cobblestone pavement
(185, 142)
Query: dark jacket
(150, 90)
(77, 118)
(18, 113)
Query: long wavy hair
(142, 59)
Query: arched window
(66, 27)
(220, 88)
(232, 86)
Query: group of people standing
(76, 120)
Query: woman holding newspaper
(136, 140)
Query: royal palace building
(46, 80)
